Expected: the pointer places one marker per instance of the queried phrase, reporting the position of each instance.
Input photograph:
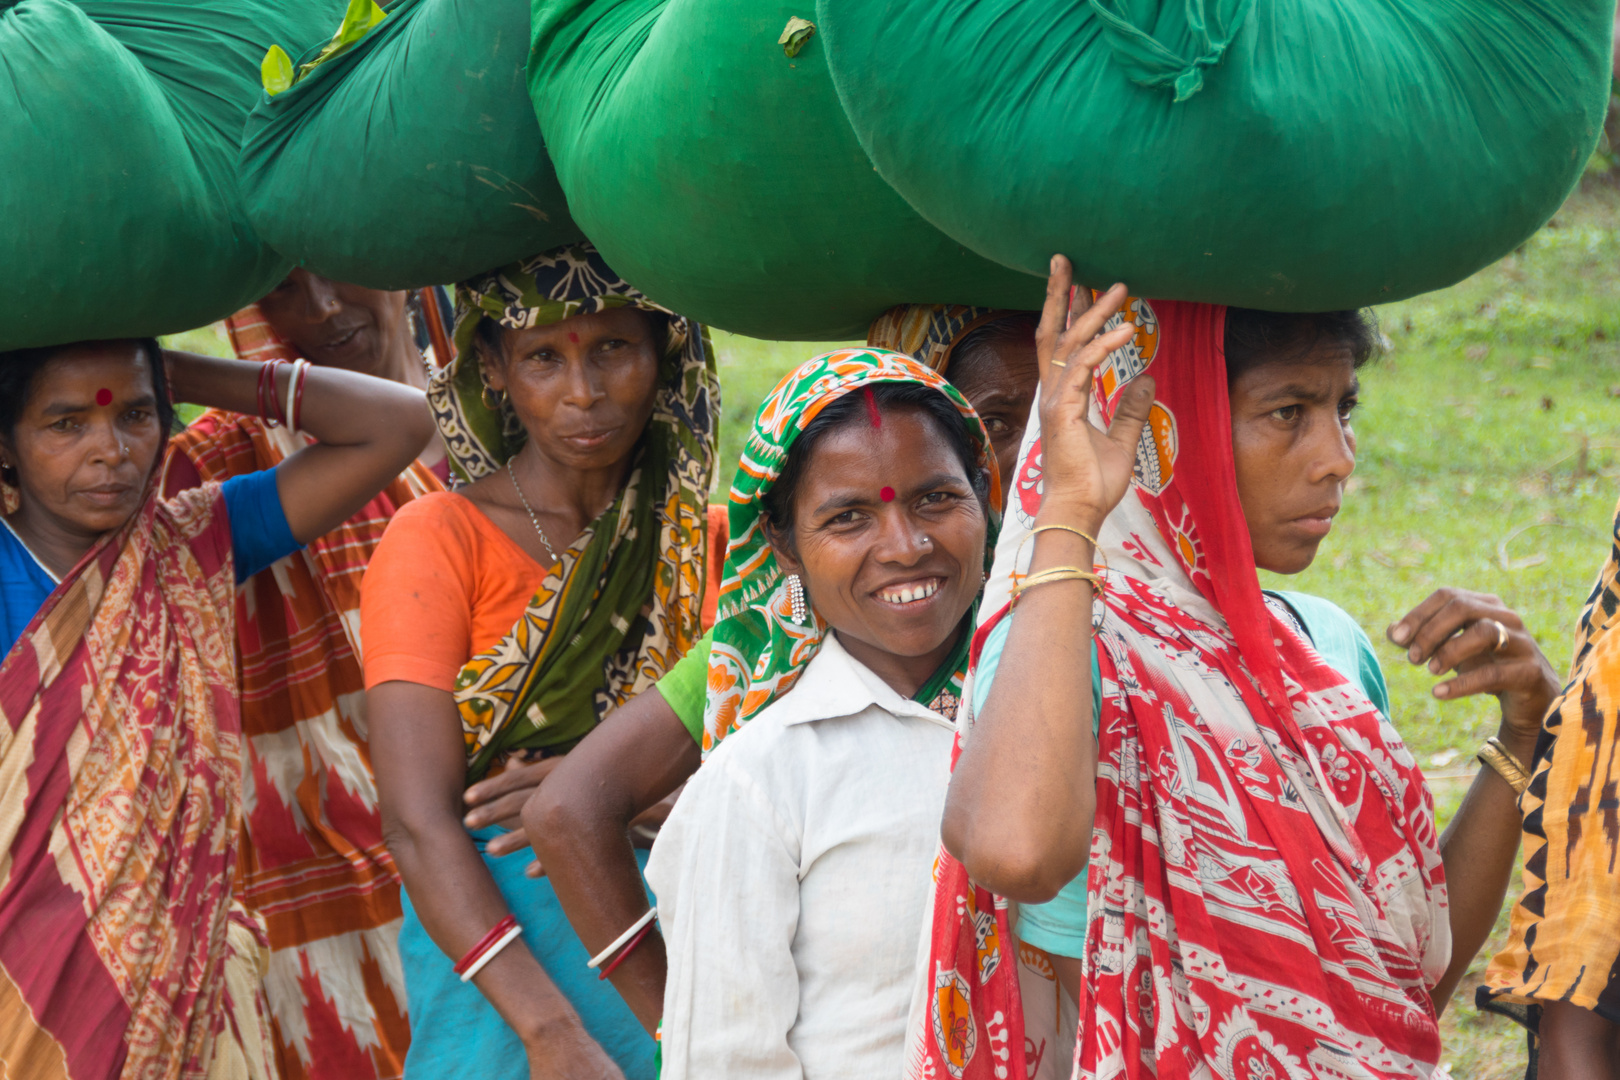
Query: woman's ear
(492, 369)
(786, 558)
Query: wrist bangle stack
(270, 409)
(488, 947)
(1509, 768)
(1056, 573)
(1052, 574)
(624, 944)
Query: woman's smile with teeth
(911, 591)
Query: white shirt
(792, 880)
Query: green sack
(411, 159)
(1287, 154)
(718, 174)
(120, 123)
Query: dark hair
(982, 345)
(1255, 338)
(853, 408)
(20, 369)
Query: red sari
(120, 802)
(1265, 896)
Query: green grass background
(1489, 454)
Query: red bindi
(104, 396)
(573, 337)
(887, 494)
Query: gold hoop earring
(500, 398)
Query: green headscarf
(758, 649)
(622, 604)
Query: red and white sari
(121, 954)
(1265, 894)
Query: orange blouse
(446, 584)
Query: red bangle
(267, 395)
(496, 932)
(626, 951)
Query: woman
(1286, 913)
(1556, 973)
(504, 620)
(578, 819)
(313, 864)
(858, 540)
(122, 758)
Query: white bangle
(489, 954)
(618, 942)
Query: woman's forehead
(907, 443)
(114, 364)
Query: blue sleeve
(1059, 925)
(259, 531)
(1340, 641)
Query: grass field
(1489, 458)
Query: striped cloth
(313, 863)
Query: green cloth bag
(411, 159)
(719, 176)
(1294, 155)
(120, 121)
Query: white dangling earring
(796, 599)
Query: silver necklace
(532, 518)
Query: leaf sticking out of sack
(796, 36)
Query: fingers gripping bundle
(120, 121)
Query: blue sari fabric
(456, 1032)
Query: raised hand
(1485, 643)
(1085, 470)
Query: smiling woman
(792, 873)
(117, 608)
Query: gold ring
(1060, 363)
(1501, 636)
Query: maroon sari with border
(120, 804)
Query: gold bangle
(1052, 574)
(1087, 537)
(1508, 767)
(1095, 546)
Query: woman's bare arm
(578, 822)
(1454, 630)
(419, 758)
(1018, 814)
(369, 431)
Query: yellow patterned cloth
(624, 602)
(1565, 941)
(929, 332)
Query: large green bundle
(719, 175)
(411, 159)
(1290, 154)
(120, 123)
